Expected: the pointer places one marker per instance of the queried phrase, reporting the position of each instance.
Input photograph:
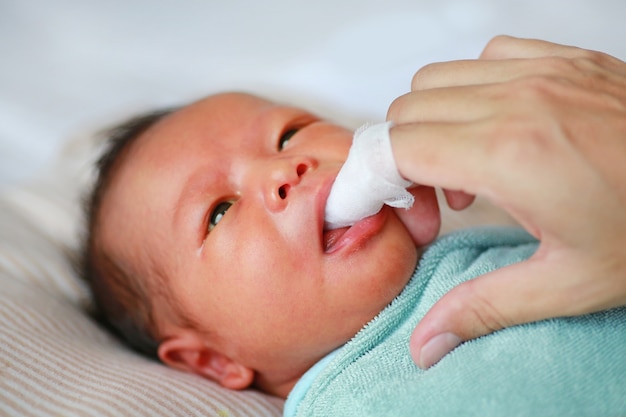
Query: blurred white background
(70, 66)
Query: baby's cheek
(395, 263)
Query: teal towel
(558, 367)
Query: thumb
(520, 293)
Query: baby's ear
(187, 352)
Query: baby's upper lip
(321, 199)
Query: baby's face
(222, 201)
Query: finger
(521, 293)
(452, 104)
(446, 155)
(458, 200)
(510, 164)
(574, 89)
(506, 59)
(499, 141)
(509, 47)
(596, 66)
(475, 72)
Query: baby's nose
(285, 174)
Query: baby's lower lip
(334, 240)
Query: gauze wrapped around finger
(368, 179)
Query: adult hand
(539, 129)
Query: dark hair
(122, 300)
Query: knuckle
(537, 94)
(588, 69)
(559, 66)
(423, 76)
(495, 45)
(397, 109)
(580, 69)
(517, 141)
(592, 57)
(595, 70)
(531, 87)
(483, 312)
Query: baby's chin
(386, 291)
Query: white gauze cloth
(368, 179)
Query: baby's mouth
(331, 237)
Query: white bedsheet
(68, 66)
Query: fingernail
(436, 348)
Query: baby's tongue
(331, 237)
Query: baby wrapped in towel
(558, 367)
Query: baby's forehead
(218, 106)
(227, 115)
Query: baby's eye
(285, 137)
(218, 212)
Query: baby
(207, 249)
(206, 242)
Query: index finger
(442, 154)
